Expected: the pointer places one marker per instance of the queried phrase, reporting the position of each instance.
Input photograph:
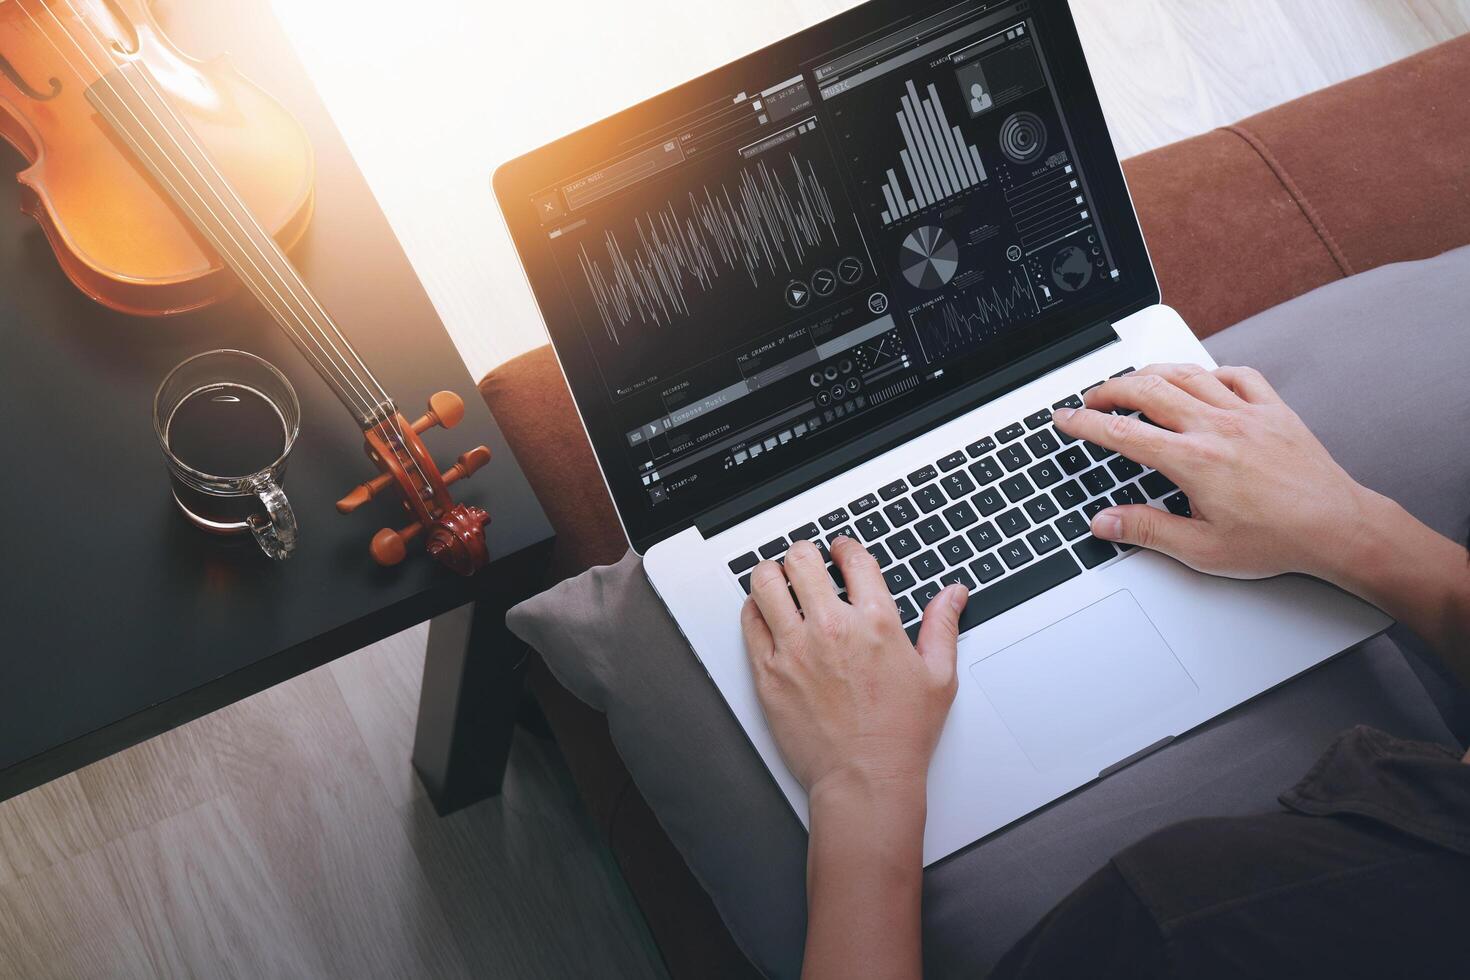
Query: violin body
(115, 232)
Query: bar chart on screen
(937, 163)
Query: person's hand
(1266, 497)
(845, 693)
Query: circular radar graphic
(1070, 269)
(929, 257)
(1023, 137)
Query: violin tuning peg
(445, 409)
(467, 464)
(362, 493)
(390, 547)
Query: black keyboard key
(922, 476)
(871, 527)
(1017, 488)
(805, 533)
(1071, 401)
(1013, 458)
(1010, 592)
(1015, 554)
(986, 470)
(1095, 384)
(1097, 452)
(837, 578)
(929, 498)
(987, 568)
(744, 563)
(978, 449)
(863, 504)
(1093, 551)
(1045, 473)
(1044, 540)
(1042, 443)
(907, 612)
(1069, 495)
(1063, 438)
(1074, 525)
(1042, 509)
(903, 543)
(1095, 507)
(899, 579)
(1012, 522)
(1124, 469)
(1073, 460)
(1126, 370)
(1011, 432)
(956, 551)
(838, 516)
(1036, 420)
(954, 460)
(893, 490)
(774, 549)
(1157, 485)
(926, 564)
(925, 594)
(842, 532)
(1130, 494)
(1179, 504)
(912, 630)
(745, 582)
(901, 512)
(880, 554)
(932, 529)
(957, 577)
(988, 501)
(984, 537)
(960, 516)
(1097, 480)
(958, 486)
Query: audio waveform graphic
(958, 323)
(764, 226)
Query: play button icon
(798, 294)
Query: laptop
(837, 288)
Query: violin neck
(135, 108)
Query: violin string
(372, 407)
(275, 309)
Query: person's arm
(857, 711)
(1268, 499)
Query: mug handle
(275, 533)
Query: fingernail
(1062, 414)
(958, 596)
(1107, 526)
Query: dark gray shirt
(1365, 872)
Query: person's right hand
(1266, 497)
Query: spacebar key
(1013, 590)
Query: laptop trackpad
(1099, 680)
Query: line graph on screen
(957, 323)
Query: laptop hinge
(870, 444)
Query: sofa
(1373, 171)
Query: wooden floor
(286, 836)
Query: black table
(119, 620)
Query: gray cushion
(1374, 363)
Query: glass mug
(226, 421)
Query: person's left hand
(844, 691)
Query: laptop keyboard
(1007, 516)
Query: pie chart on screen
(929, 257)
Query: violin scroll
(456, 532)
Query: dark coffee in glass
(227, 421)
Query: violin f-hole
(8, 70)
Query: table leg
(467, 709)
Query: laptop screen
(755, 268)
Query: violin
(164, 183)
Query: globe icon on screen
(1071, 269)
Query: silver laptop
(837, 287)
